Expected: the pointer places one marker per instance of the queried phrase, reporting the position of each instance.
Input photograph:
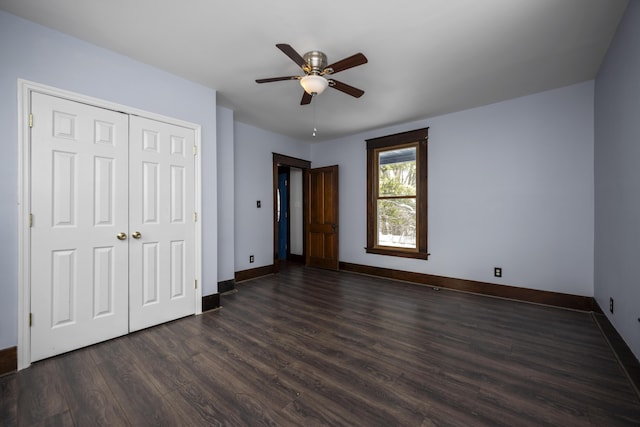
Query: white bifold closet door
(112, 236)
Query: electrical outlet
(611, 305)
(250, 258)
(497, 271)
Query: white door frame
(24, 209)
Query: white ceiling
(426, 57)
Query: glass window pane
(397, 223)
(397, 172)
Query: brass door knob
(121, 236)
(136, 235)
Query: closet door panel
(162, 200)
(79, 198)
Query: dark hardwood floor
(309, 347)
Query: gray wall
(510, 185)
(226, 191)
(617, 180)
(254, 181)
(35, 53)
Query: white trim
(198, 207)
(24, 207)
(25, 88)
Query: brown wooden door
(322, 218)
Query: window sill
(398, 253)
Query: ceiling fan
(314, 65)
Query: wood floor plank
(63, 419)
(322, 348)
(236, 369)
(232, 398)
(96, 405)
(9, 400)
(208, 404)
(141, 402)
(40, 394)
(163, 369)
(312, 361)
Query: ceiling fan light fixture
(314, 84)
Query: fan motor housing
(316, 61)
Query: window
(397, 194)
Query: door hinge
(30, 220)
(30, 319)
(195, 284)
(195, 150)
(195, 217)
(30, 120)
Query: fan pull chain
(315, 119)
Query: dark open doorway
(283, 213)
(290, 201)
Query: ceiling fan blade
(291, 53)
(277, 79)
(346, 63)
(343, 87)
(306, 99)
